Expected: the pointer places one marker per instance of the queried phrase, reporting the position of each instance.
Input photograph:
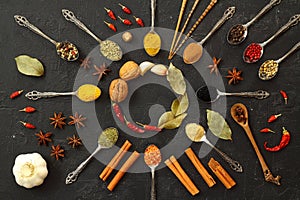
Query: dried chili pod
(15, 94)
(125, 9)
(133, 127)
(284, 95)
(139, 21)
(27, 125)
(28, 109)
(110, 13)
(266, 130)
(111, 26)
(118, 112)
(285, 139)
(125, 21)
(272, 118)
(149, 127)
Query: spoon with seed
(152, 158)
(109, 49)
(196, 133)
(269, 68)
(106, 140)
(193, 52)
(66, 50)
(239, 113)
(85, 93)
(255, 51)
(239, 32)
(211, 94)
(152, 41)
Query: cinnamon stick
(129, 162)
(221, 173)
(115, 161)
(175, 167)
(200, 168)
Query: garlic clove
(160, 70)
(145, 66)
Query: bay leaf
(194, 132)
(180, 105)
(29, 66)
(176, 80)
(218, 126)
(165, 117)
(169, 121)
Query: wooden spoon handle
(267, 173)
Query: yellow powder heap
(152, 43)
(88, 92)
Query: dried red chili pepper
(110, 13)
(27, 125)
(118, 112)
(133, 127)
(266, 130)
(125, 21)
(111, 26)
(149, 127)
(125, 9)
(139, 21)
(272, 118)
(284, 95)
(15, 94)
(285, 139)
(28, 109)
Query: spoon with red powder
(255, 51)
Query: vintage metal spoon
(193, 52)
(66, 50)
(269, 68)
(212, 94)
(152, 41)
(108, 48)
(239, 113)
(239, 32)
(106, 140)
(292, 22)
(86, 93)
(152, 157)
(197, 134)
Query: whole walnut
(129, 70)
(118, 90)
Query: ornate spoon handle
(22, 21)
(35, 95)
(260, 94)
(69, 16)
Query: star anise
(86, 63)
(77, 120)
(214, 66)
(100, 71)
(58, 120)
(74, 141)
(234, 76)
(57, 152)
(43, 138)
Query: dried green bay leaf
(29, 66)
(176, 80)
(180, 105)
(218, 125)
(194, 132)
(169, 121)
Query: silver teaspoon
(239, 32)
(66, 50)
(109, 49)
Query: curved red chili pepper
(266, 130)
(133, 127)
(28, 109)
(125, 21)
(272, 118)
(15, 94)
(111, 26)
(125, 9)
(285, 139)
(139, 21)
(149, 127)
(110, 13)
(284, 95)
(27, 125)
(118, 112)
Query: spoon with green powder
(106, 140)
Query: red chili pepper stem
(285, 139)
(125, 21)
(284, 95)
(125, 9)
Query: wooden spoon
(239, 113)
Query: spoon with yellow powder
(152, 41)
(86, 93)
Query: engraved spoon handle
(72, 176)
(227, 15)
(69, 16)
(22, 21)
(260, 94)
(153, 6)
(292, 50)
(35, 95)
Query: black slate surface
(60, 76)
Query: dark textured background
(60, 75)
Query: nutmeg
(130, 70)
(118, 90)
